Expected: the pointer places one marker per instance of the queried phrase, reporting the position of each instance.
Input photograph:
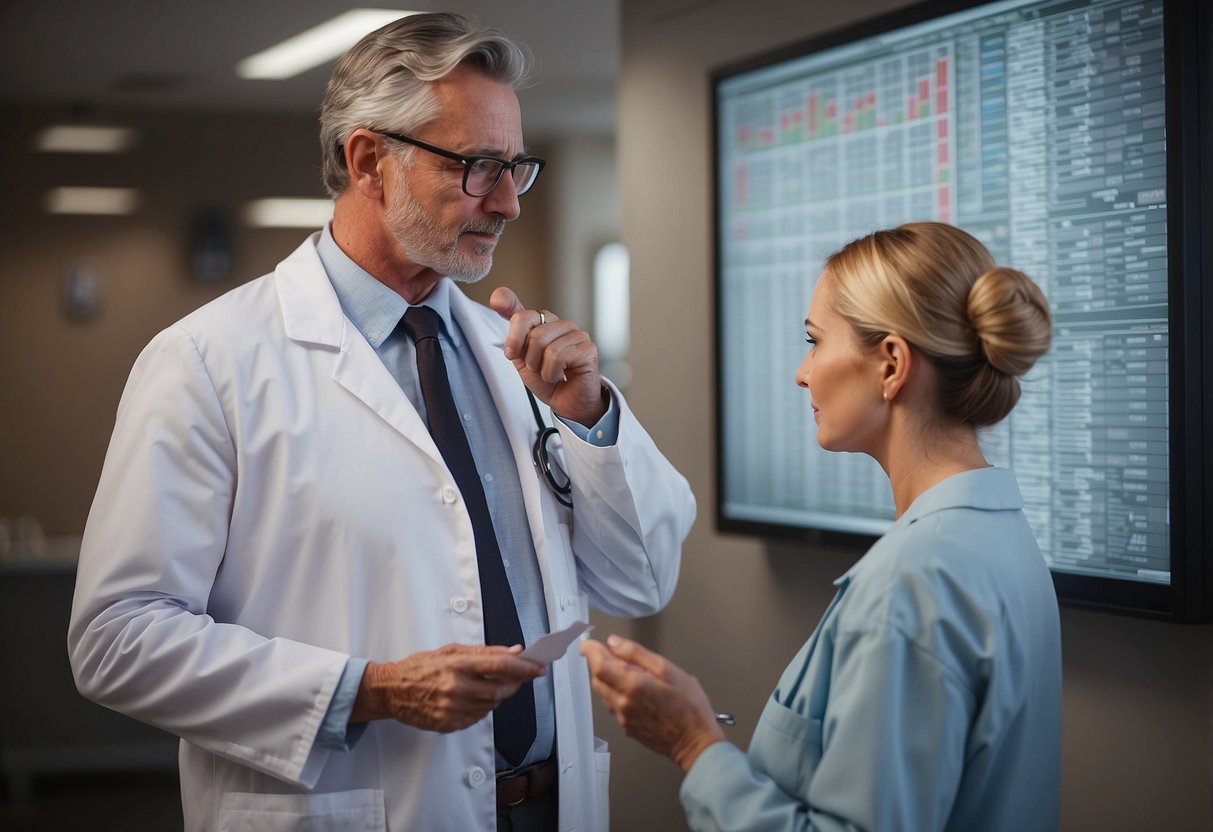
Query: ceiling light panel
(282, 212)
(316, 46)
(71, 138)
(106, 201)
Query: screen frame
(1189, 123)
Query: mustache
(495, 227)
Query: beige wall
(1138, 712)
(60, 379)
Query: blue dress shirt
(929, 696)
(375, 310)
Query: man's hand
(443, 690)
(556, 359)
(654, 700)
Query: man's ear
(364, 154)
(896, 365)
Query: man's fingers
(503, 667)
(552, 351)
(505, 303)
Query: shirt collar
(982, 489)
(372, 307)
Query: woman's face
(843, 378)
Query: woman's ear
(364, 154)
(896, 365)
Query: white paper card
(551, 647)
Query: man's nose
(503, 199)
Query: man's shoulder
(253, 308)
(235, 309)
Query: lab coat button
(459, 605)
(476, 777)
(448, 494)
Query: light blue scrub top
(928, 698)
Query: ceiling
(94, 56)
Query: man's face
(434, 222)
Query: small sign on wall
(82, 292)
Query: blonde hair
(383, 81)
(979, 324)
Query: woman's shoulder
(952, 571)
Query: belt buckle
(525, 776)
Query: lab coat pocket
(602, 781)
(787, 746)
(357, 810)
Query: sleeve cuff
(605, 433)
(335, 732)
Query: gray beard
(421, 236)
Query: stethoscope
(543, 459)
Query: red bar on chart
(941, 210)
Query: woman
(929, 696)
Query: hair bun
(1010, 317)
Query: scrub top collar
(982, 489)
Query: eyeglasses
(562, 486)
(482, 173)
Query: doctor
(319, 495)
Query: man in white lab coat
(280, 566)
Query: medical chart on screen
(1039, 128)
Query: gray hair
(383, 81)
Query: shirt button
(459, 605)
(467, 417)
(599, 434)
(476, 777)
(488, 477)
(448, 494)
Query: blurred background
(100, 250)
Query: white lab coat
(271, 504)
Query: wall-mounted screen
(1065, 135)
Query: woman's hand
(654, 700)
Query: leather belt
(517, 787)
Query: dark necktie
(514, 720)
